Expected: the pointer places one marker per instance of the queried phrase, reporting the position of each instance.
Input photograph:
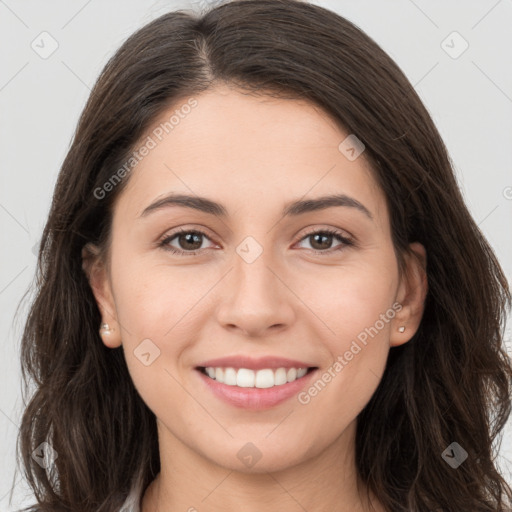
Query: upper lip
(254, 363)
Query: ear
(411, 294)
(97, 275)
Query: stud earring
(105, 329)
(401, 328)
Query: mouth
(249, 378)
(254, 389)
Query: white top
(131, 503)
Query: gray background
(469, 97)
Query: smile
(254, 390)
(247, 378)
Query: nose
(255, 298)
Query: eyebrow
(293, 209)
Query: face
(254, 278)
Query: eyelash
(164, 243)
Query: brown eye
(188, 242)
(321, 240)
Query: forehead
(248, 152)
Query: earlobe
(97, 276)
(411, 295)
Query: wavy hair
(450, 382)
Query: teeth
(230, 377)
(246, 378)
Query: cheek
(357, 309)
(153, 300)
(353, 297)
(154, 307)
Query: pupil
(189, 240)
(321, 236)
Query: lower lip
(256, 398)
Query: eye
(189, 240)
(322, 240)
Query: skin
(254, 155)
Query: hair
(450, 382)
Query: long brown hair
(450, 382)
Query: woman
(259, 285)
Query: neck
(189, 482)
